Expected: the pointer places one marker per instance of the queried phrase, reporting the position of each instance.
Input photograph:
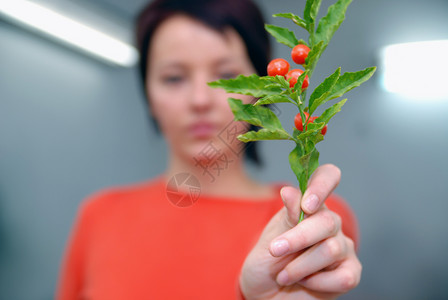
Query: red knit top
(134, 243)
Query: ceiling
(127, 8)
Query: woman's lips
(202, 130)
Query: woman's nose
(201, 94)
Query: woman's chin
(204, 151)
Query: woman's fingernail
(282, 278)
(281, 194)
(280, 247)
(311, 202)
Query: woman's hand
(311, 260)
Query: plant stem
(301, 217)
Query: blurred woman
(204, 229)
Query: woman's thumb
(291, 197)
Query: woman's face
(184, 55)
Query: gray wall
(70, 125)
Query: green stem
(304, 94)
(303, 187)
(301, 217)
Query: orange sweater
(132, 243)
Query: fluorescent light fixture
(69, 31)
(416, 70)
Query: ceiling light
(416, 70)
(69, 31)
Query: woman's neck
(223, 178)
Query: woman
(238, 239)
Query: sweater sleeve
(70, 280)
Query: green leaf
(313, 160)
(282, 35)
(299, 83)
(282, 81)
(313, 56)
(252, 85)
(349, 81)
(312, 133)
(276, 80)
(255, 115)
(331, 22)
(304, 160)
(330, 112)
(295, 134)
(296, 19)
(321, 93)
(295, 96)
(264, 134)
(302, 42)
(296, 166)
(311, 129)
(310, 13)
(273, 99)
(318, 137)
(315, 135)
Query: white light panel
(69, 31)
(416, 70)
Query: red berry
(299, 124)
(278, 66)
(299, 53)
(298, 121)
(293, 75)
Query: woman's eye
(228, 75)
(172, 79)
